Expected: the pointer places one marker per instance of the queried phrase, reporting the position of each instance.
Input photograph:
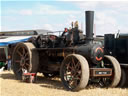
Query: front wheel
(74, 72)
(114, 79)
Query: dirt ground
(9, 86)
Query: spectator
(9, 63)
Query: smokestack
(89, 25)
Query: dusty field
(47, 87)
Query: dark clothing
(2, 64)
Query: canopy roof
(5, 41)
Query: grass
(49, 87)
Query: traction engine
(72, 56)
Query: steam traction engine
(73, 56)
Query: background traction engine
(73, 56)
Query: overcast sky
(56, 15)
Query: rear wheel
(114, 79)
(24, 60)
(74, 72)
(126, 77)
(123, 78)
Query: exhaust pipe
(89, 26)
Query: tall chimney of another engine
(89, 25)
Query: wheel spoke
(25, 67)
(73, 62)
(77, 67)
(19, 53)
(23, 50)
(78, 75)
(27, 64)
(20, 69)
(26, 59)
(26, 54)
(68, 66)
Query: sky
(109, 17)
